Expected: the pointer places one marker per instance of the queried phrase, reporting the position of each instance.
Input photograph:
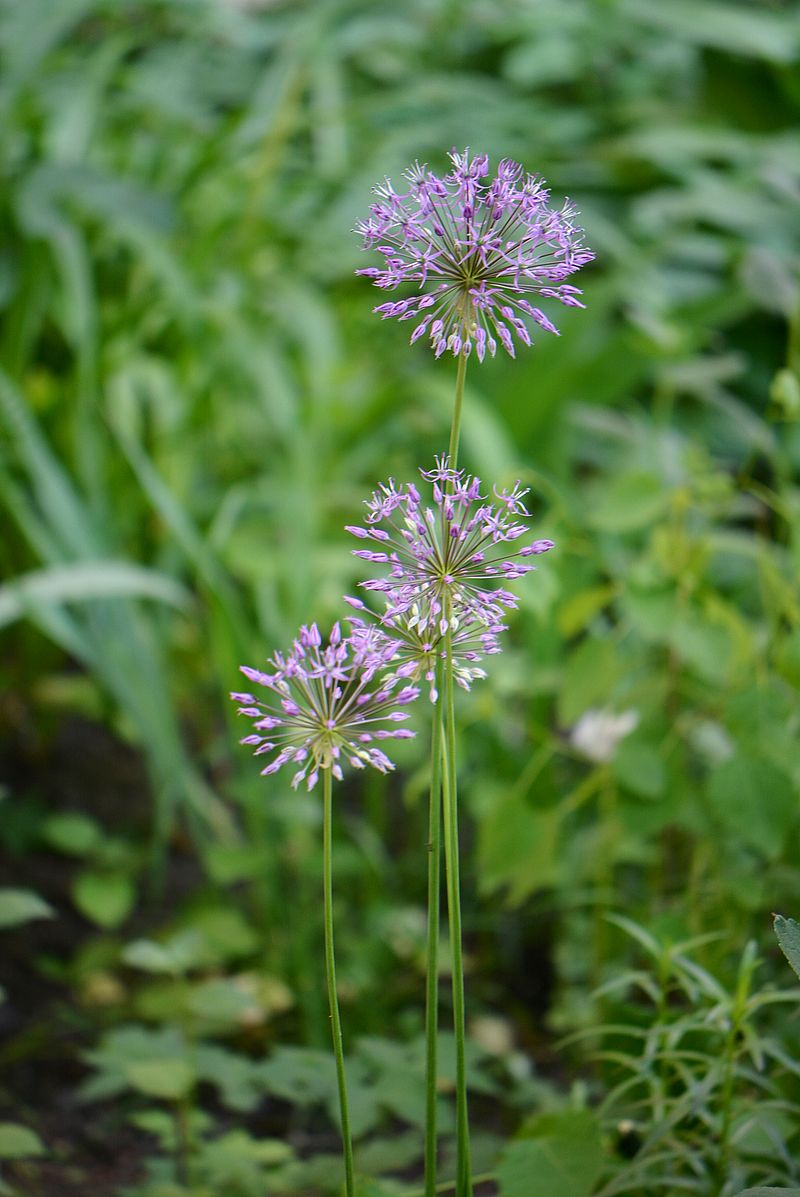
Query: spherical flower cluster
(448, 562)
(323, 706)
(419, 643)
(475, 252)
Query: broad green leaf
(105, 898)
(557, 1154)
(640, 768)
(518, 847)
(581, 608)
(18, 1142)
(788, 933)
(221, 1001)
(589, 677)
(149, 956)
(631, 501)
(18, 906)
(224, 931)
(237, 1078)
(754, 801)
(72, 833)
(170, 1078)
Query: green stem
(183, 1140)
(450, 819)
(451, 856)
(455, 423)
(432, 955)
(330, 973)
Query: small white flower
(597, 733)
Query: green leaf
(71, 833)
(784, 391)
(18, 906)
(149, 956)
(632, 501)
(754, 801)
(558, 1153)
(169, 1078)
(181, 952)
(18, 1142)
(788, 933)
(768, 1191)
(87, 580)
(105, 898)
(639, 768)
(589, 678)
(581, 608)
(220, 1001)
(728, 27)
(518, 847)
(236, 1077)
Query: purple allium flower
(476, 251)
(457, 552)
(324, 707)
(419, 643)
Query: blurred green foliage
(195, 397)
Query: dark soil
(44, 1031)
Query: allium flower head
(475, 250)
(420, 644)
(327, 704)
(455, 554)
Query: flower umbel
(322, 710)
(419, 644)
(475, 250)
(462, 548)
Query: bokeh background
(195, 398)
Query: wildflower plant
(474, 252)
(328, 705)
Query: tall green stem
(330, 973)
(432, 970)
(451, 851)
(451, 856)
(455, 422)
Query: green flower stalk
(326, 706)
(475, 251)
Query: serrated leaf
(788, 933)
(18, 906)
(19, 1142)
